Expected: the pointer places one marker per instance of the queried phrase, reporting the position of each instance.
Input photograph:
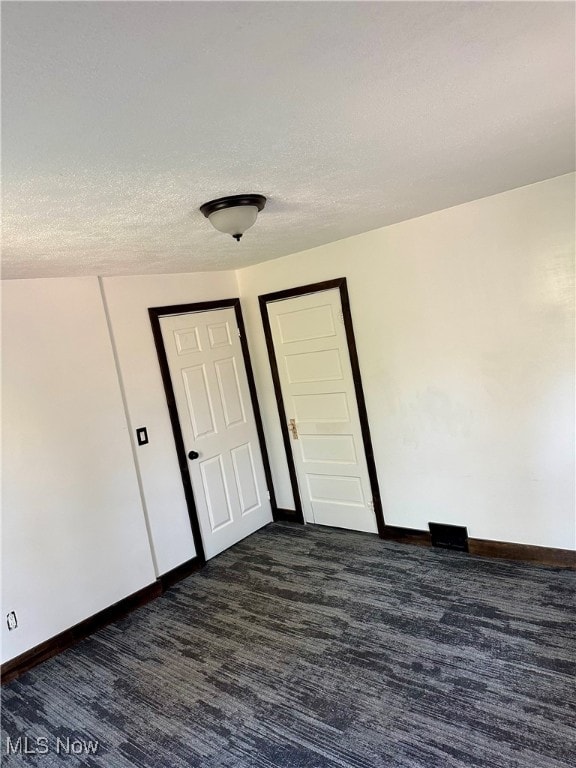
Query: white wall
(465, 331)
(73, 534)
(128, 300)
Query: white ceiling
(121, 118)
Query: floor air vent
(449, 536)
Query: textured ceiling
(120, 119)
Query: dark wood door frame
(290, 293)
(156, 313)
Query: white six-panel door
(217, 422)
(319, 397)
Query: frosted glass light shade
(233, 214)
(234, 221)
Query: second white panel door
(217, 422)
(319, 397)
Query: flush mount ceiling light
(233, 214)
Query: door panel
(198, 401)
(216, 418)
(187, 341)
(305, 367)
(313, 362)
(328, 407)
(219, 335)
(305, 324)
(340, 490)
(215, 492)
(245, 476)
(229, 389)
(329, 449)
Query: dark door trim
(291, 293)
(155, 314)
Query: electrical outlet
(11, 620)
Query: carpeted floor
(318, 648)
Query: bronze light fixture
(233, 214)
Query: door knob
(193, 455)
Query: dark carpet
(316, 648)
